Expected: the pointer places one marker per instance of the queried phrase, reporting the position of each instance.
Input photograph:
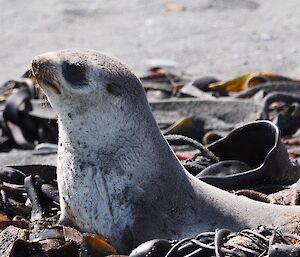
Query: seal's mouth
(45, 77)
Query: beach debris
(247, 80)
(175, 7)
(262, 241)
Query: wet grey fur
(117, 175)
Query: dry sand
(210, 37)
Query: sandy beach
(216, 37)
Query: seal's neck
(132, 147)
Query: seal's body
(117, 175)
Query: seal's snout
(45, 73)
(34, 64)
(39, 65)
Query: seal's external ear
(113, 89)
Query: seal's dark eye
(74, 73)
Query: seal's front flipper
(65, 219)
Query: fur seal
(117, 175)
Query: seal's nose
(39, 64)
(34, 64)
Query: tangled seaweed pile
(188, 112)
(261, 242)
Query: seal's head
(85, 86)
(80, 78)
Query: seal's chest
(96, 201)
